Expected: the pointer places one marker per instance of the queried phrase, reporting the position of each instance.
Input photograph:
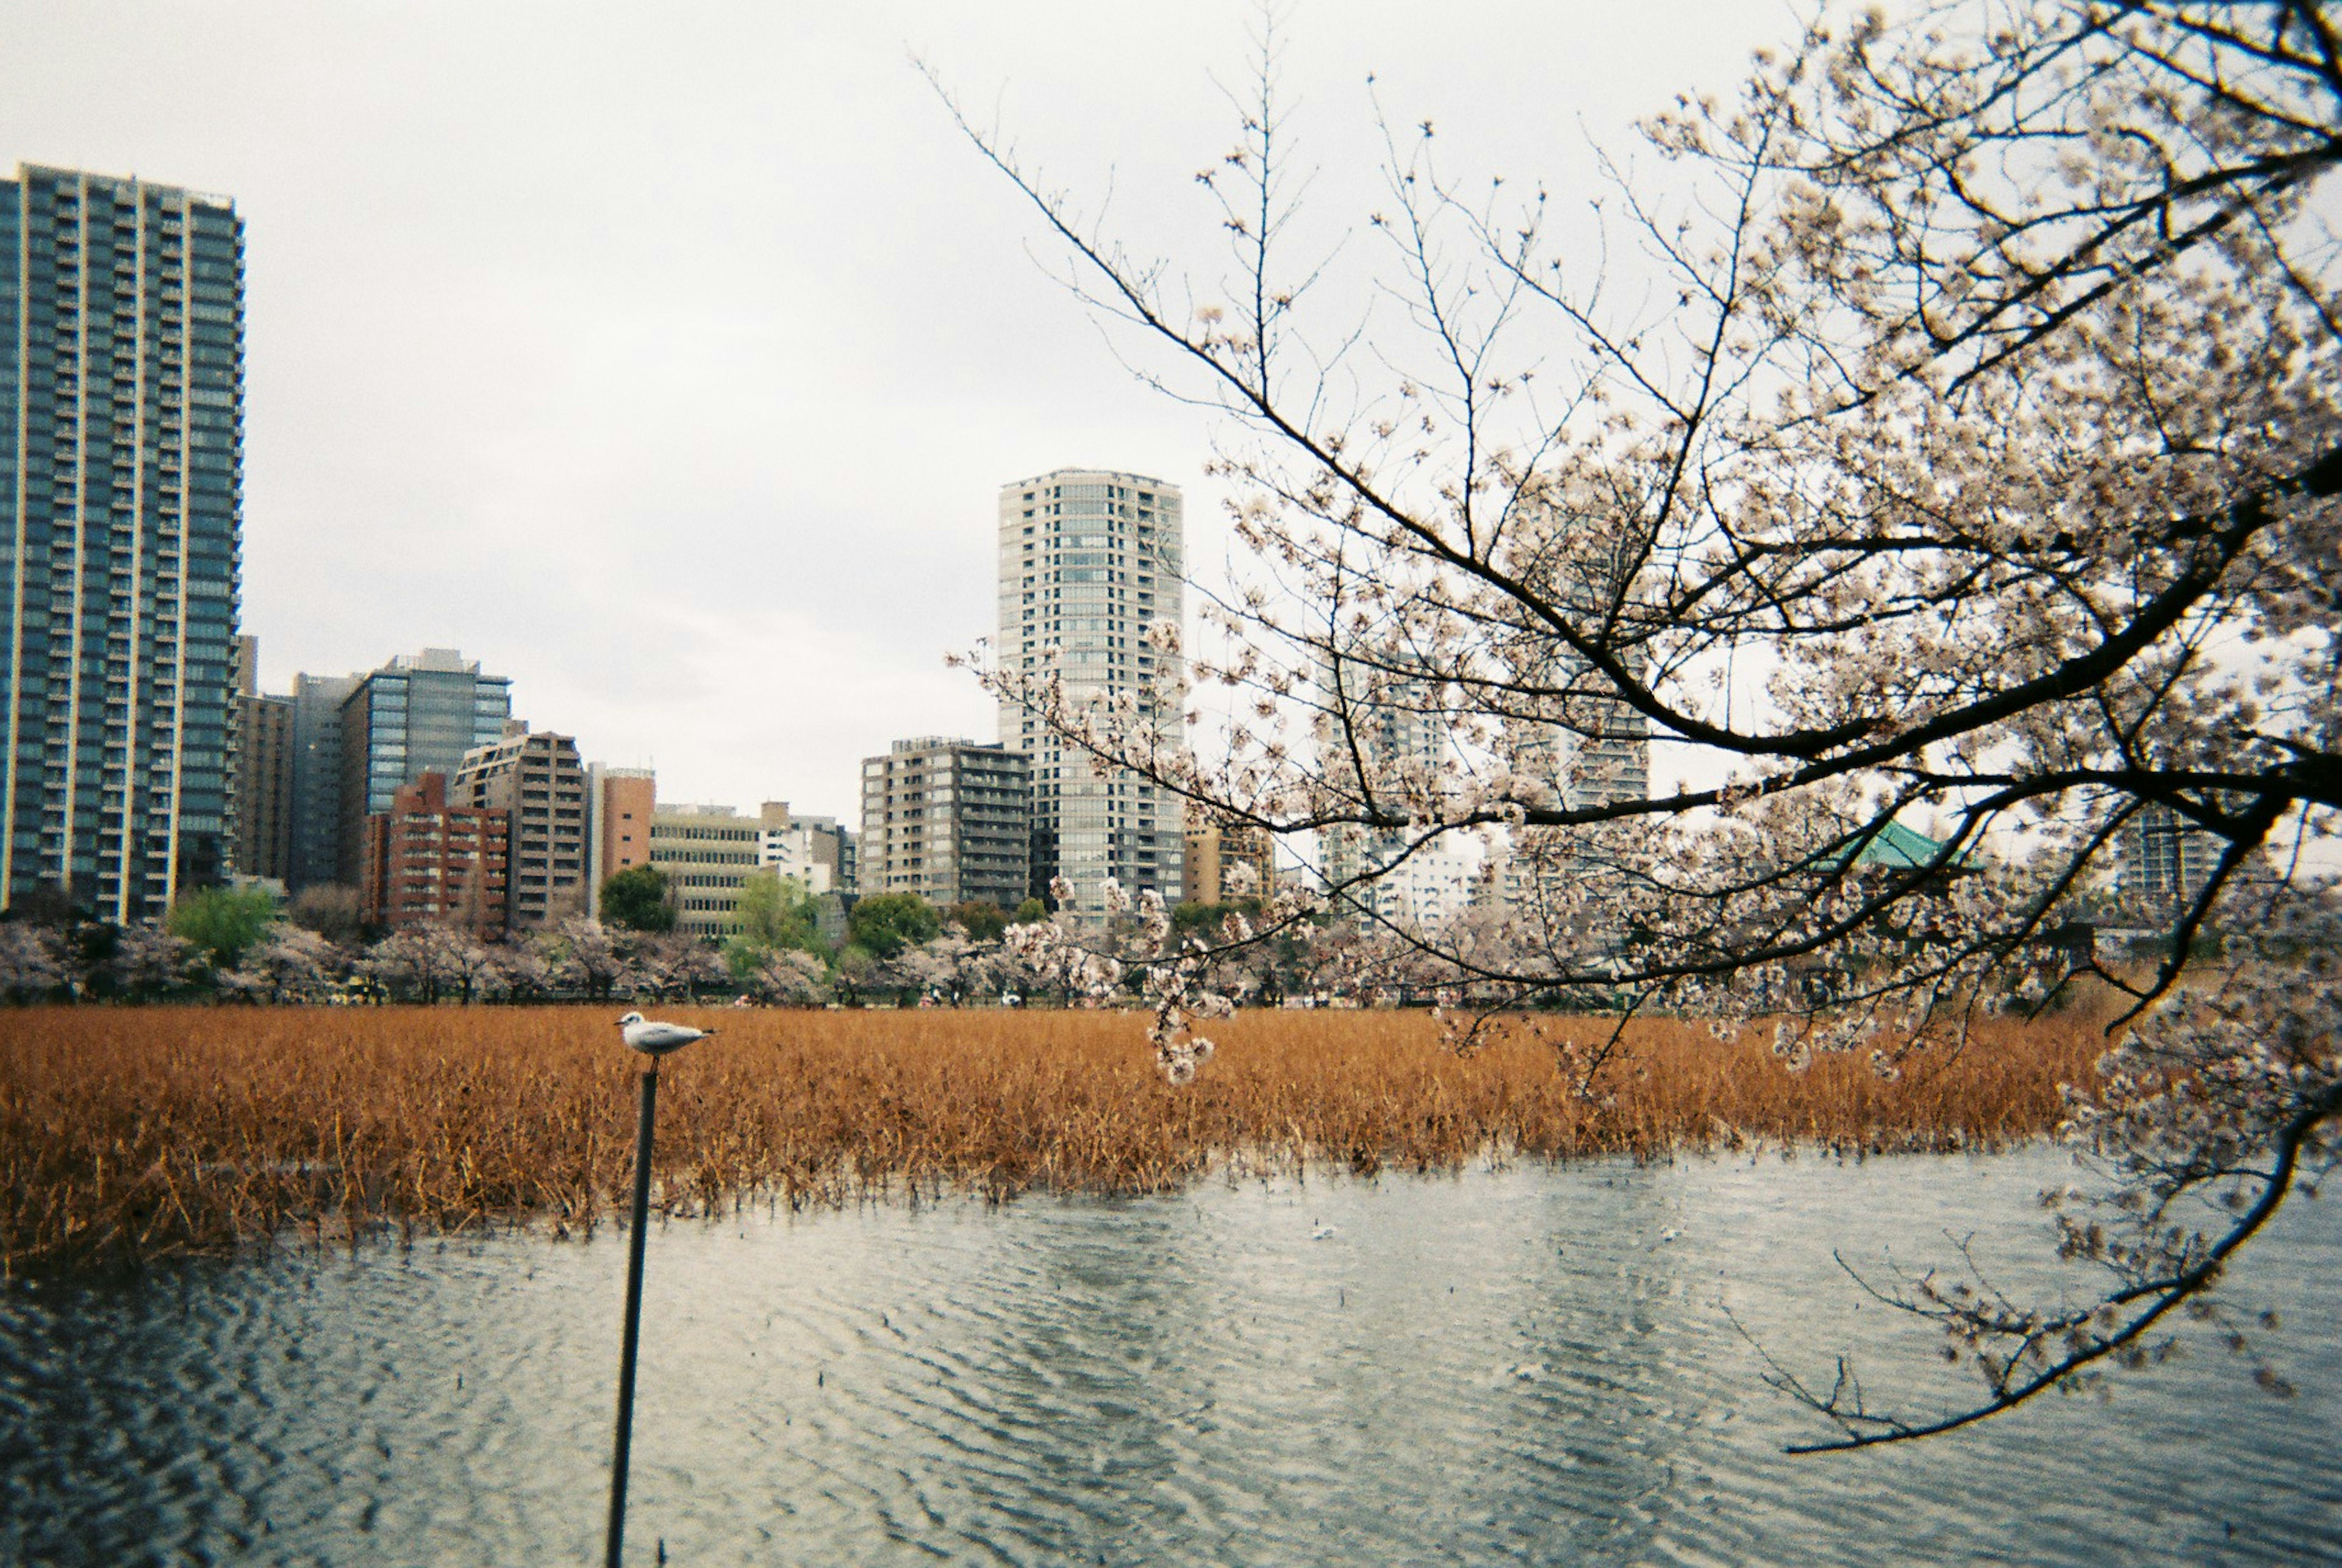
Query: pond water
(1522, 1365)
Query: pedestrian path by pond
(1525, 1366)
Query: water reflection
(1529, 1365)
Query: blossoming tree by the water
(1950, 436)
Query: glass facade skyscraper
(416, 714)
(317, 777)
(121, 476)
(1089, 559)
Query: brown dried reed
(132, 1133)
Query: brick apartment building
(427, 863)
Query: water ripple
(1524, 1366)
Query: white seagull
(653, 1039)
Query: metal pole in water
(634, 1313)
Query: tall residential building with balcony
(2166, 859)
(948, 819)
(707, 852)
(538, 781)
(424, 862)
(418, 713)
(1590, 744)
(1370, 712)
(1089, 560)
(121, 513)
(1597, 752)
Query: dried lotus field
(132, 1133)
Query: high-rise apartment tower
(1370, 712)
(1090, 559)
(2166, 858)
(121, 464)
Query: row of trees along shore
(242, 945)
(1944, 423)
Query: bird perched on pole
(656, 1039)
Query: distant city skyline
(669, 362)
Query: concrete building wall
(815, 850)
(264, 842)
(800, 852)
(621, 802)
(1212, 852)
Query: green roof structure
(1901, 848)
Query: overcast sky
(668, 358)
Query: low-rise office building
(707, 852)
(814, 850)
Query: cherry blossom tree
(588, 956)
(30, 967)
(426, 962)
(1946, 431)
(522, 973)
(1057, 955)
(148, 961)
(791, 977)
(677, 964)
(289, 964)
(950, 966)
